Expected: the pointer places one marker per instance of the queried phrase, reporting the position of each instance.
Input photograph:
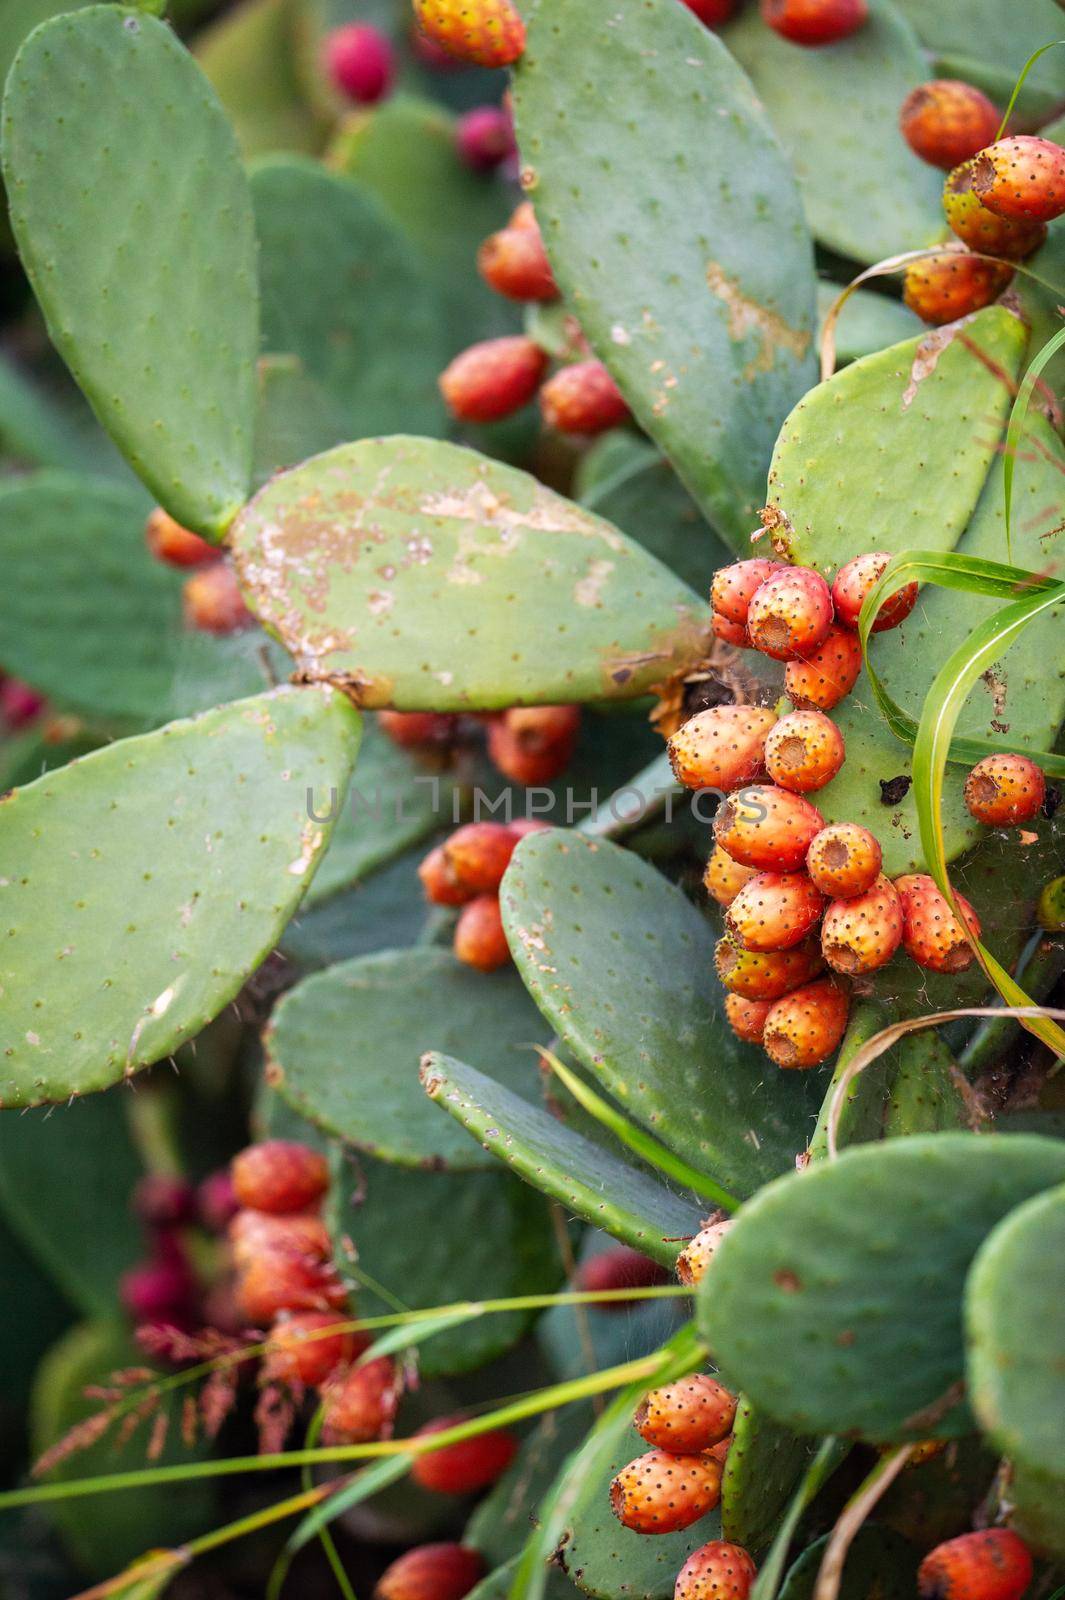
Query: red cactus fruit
(618, 1268)
(714, 13)
(1010, 237)
(953, 284)
(947, 121)
(467, 1466)
(733, 586)
(514, 262)
(660, 1493)
(790, 614)
(766, 974)
(488, 33)
(1022, 176)
(992, 1565)
(1002, 791)
(484, 138)
(471, 861)
(931, 933)
(774, 911)
(733, 633)
(766, 827)
(359, 62)
(804, 1027)
(216, 1201)
(168, 541)
(440, 886)
(533, 744)
(301, 1233)
(212, 601)
(694, 1260)
(814, 22)
(279, 1175)
(431, 1572)
(361, 1404)
(301, 1351)
(493, 379)
(721, 748)
(19, 704)
(686, 1417)
(716, 1571)
(844, 860)
(724, 878)
(804, 751)
(480, 940)
(582, 398)
(855, 580)
(828, 675)
(862, 933)
(746, 1017)
(159, 1290)
(164, 1200)
(274, 1281)
(412, 729)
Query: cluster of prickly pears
(212, 599)
(466, 872)
(997, 198)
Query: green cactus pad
(384, 911)
(836, 112)
(295, 418)
(928, 1094)
(835, 1300)
(621, 964)
(133, 219)
(650, 503)
(143, 883)
(978, 32)
(711, 352)
(892, 452)
(417, 574)
(402, 1223)
(762, 1470)
(344, 1047)
(879, 1563)
(861, 1118)
(250, 56)
(1038, 1502)
(344, 291)
(589, 1181)
(1016, 1355)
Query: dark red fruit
(714, 13)
(947, 121)
(280, 1176)
(360, 62)
(484, 138)
(514, 262)
(159, 1291)
(274, 1281)
(480, 940)
(431, 1572)
(360, 1404)
(301, 1352)
(19, 704)
(814, 22)
(216, 1201)
(177, 546)
(857, 579)
(992, 1565)
(617, 1269)
(686, 1417)
(1022, 176)
(660, 1493)
(256, 1233)
(582, 398)
(164, 1200)
(464, 1467)
(493, 379)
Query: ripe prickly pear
(360, 62)
(982, 230)
(844, 860)
(492, 379)
(994, 1564)
(660, 1493)
(721, 748)
(488, 33)
(953, 284)
(775, 911)
(484, 138)
(582, 398)
(1002, 791)
(862, 933)
(804, 751)
(686, 1417)
(766, 827)
(804, 1027)
(790, 614)
(1022, 176)
(814, 22)
(856, 579)
(947, 121)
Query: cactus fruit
(256, 1233)
(413, 729)
(746, 1017)
(360, 62)
(488, 33)
(471, 861)
(660, 1493)
(360, 1405)
(275, 1281)
(279, 1176)
(857, 579)
(582, 398)
(804, 1027)
(724, 878)
(301, 1351)
(1013, 238)
(824, 678)
(716, 1571)
(19, 704)
(431, 1572)
(815, 22)
(804, 751)
(790, 614)
(844, 860)
(492, 379)
(169, 542)
(994, 1564)
(733, 633)
(931, 933)
(722, 747)
(774, 911)
(616, 1269)
(766, 974)
(161, 1290)
(947, 121)
(733, 586)
(533, 744)
(1022, 176)
(514, 262)
(713, 13)
(686, 1417)
(862, 933)
(1002, 791)
(466, 1466)
(212, 600)
(484, 139)
(480, 941)
(768, 828)
(694, 1260)
(953, 284)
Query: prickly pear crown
(530, 722)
